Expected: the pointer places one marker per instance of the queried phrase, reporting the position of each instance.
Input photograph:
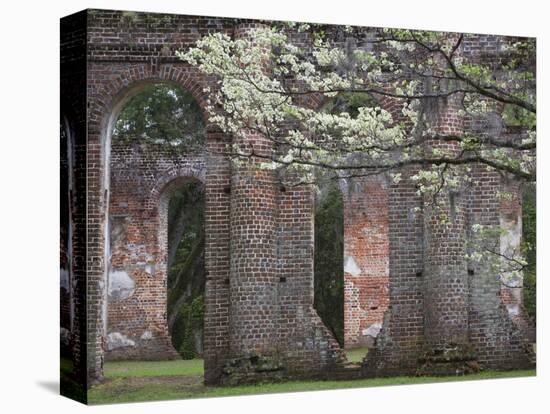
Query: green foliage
(188, 321)
(161, 114)
(522, 55)
(188, 200)
(480, 73)
(513, 115)
(329, 260)
(529, 247)
(423, 36)
(186, 275)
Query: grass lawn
(163, 380)
(356, 355)
(133, 369)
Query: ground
(356, 354)
(133, 381)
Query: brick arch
(167, 186)
(112, 96)
(105, 105)
(160, 197)
(174, 177)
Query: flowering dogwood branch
(384, 92)
(270, 101)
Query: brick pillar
(445, 270)
(253, 288)
(217, 246)
(499, 342)
(446, 284)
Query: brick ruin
(366, 259)
(410, 295)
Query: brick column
(445, 271)
(253, 285)
(498, 341)
(217, 246)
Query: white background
(29, 253)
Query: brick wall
(125, 51)
(402, 335)
(141, 184)
(73, 113)
(497, 340)
(366, 259)
(511, 291)
(407, 274)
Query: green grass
(133, 369)
(165, 380)
(356, 355)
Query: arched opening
(157, 139)
(366, 262)
(162, 116)
(329, 258)
(352, 246)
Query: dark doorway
(186, 272)
(329, 258)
